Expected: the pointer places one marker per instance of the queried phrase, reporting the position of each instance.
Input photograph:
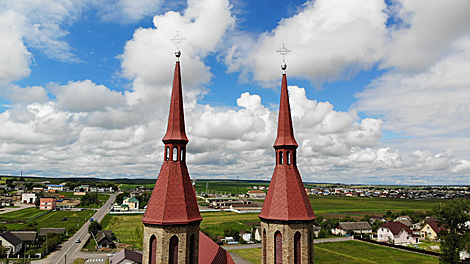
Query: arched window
(280, 158)
(192, 249)
(288, 157)
(167, 153)
(310, 246)
(264, 246)
(182, 153)
(153, 250)
(297, 248)
(175, 154)
(173, 250)
(278, 247)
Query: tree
(453, 217)
(94, 227)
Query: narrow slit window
(182, 152)
(288, 157)
(175, 154)
(280, 158)
(278, 247)
(167, 153)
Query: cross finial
(283, 51)
(177, 40)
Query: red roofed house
(171, 221)
(287, 216)
(256, 194)
(431, 228)
(396, 232)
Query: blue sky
(379, 90)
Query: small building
(396, 233)
(131, 202)
(344, 228)
(258, 233)
(12, 243)
(127, 256)
(47, 203)
(404, 219)
(28, 198)
(104, 239)
(57, 187)
(430, 228)
(256, 194)
(38, 189)
(27, 237)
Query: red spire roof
(173, 199)
(286, 199)
(176, 128)
(285, 131)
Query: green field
(128, 228)
(354, 252)
(52, 219)
(337, 206)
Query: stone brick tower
(171, 221)
(287, 216)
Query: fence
(417, 250)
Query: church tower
(171, 221)
(287, 216)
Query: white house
(397, 233)
(28, 198)
(58, 187)
(12, 243)
(357, 227)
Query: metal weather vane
(177, 40)
(283, 51)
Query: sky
(379, 90)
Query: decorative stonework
(288, 230)
(163, 235)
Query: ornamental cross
(177, 39)
(283, 51)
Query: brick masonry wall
(164, 234)
(288, 230)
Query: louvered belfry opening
(278, 247)
(297, 248)
(173, 250)
(153, 250)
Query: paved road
(11, 209)
(68, 251)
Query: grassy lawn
(128, 228)
(334, 206)
(52, 219)
(359, 252)
(215, 223)
(350, 252)
(253, 255)
(21, 215)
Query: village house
(430, 228)
(396, 233)
(344, 228)
(28, 198)
(12, 243)
(58, 187)
(27, 237)
(256, 194)
(127, 256)
(131, 202)
(104, 239)
(47, 203)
